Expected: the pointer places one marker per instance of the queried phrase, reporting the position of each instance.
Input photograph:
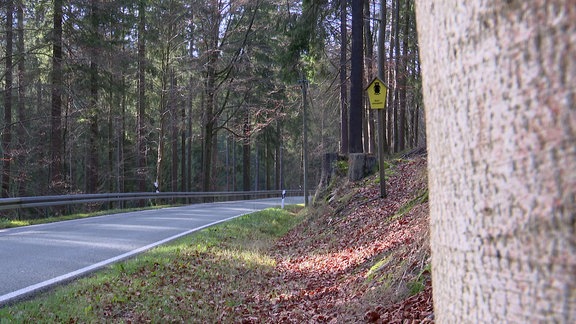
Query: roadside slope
(357, 257)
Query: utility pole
(304, 85)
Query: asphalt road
(34, 258)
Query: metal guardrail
(48, 201)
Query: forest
(116, 95)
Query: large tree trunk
(499, 89)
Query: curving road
(37, 257)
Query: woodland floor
(357, 258)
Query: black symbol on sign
(377, 88)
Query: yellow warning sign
(377, 94)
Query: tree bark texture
(500, 94)
(141, 114)
(21, 109)
(92, 152)
(391, 80)
(7, 131)
(381, 73)
(369, 134)
(209, 121)
(57, 80)
(361, 165)
(356, 87)
(344, 144)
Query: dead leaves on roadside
(322, 265)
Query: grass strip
(203, 277)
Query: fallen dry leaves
(327, 268)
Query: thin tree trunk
(344, 144)
(391, 79)
(227, 162)
(7, 131)
(112, 121)
(92, 167)
(398, 76)
(56, 147)
(234, 164)
(246, 155)
(190, 106)
(370, 138)
(381, 66)
(183, 159)
(256, 165)
(357, 88)
(140, 116)
(277, 154)
(121, 142)
(189, 144)
(269, 156)
(165, 111)
(404, 77)
(21, 113)
(174, 129)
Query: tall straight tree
(391, 75)
(397, 74)
(209, 120)
(369, 134)
(21, 114)
(403, 77)
(499, 88)
(7, 131)
(92, 153)
(356, 76)
(344, 145)
(141, 110)
(381, 62)
(56, 141)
